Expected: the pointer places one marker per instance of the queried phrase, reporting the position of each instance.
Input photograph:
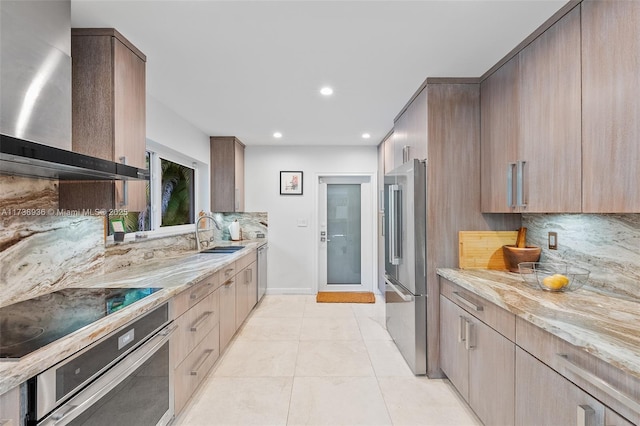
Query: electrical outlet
(553, 241)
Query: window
(170, 196)
(177, 194)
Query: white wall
(167, 132)
(291, 247)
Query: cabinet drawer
(194, 324)
(227, 272)
(190, 373)
(543, 397)
(246, 260)
(612, 386)
(194, 294)
(502, 321)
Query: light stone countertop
(605, 325)
(173, 275)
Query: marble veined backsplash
(606, 244)
(44, 248)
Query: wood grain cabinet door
(454, 359)
(499, 133)
(550, 119)
(610, 106)
(543, 397)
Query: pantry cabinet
(227, 174)
(531, 126)
(610, 106)
(477, 359)
(108, 116)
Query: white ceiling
(250, 68)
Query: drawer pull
(200, 320)
(194, 296)
(467, 303)
(201, 361)
(599, 383)
(228, 283)
(228, 272)
(586, 416)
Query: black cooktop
(31, 324)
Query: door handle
(510, 168)
(397, 291)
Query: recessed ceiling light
(326, 91)
(366, 136)
(277, 135)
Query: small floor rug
(345, 297)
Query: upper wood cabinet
(531, 126)
(227, 174)
(108, 116)
(550, 119)
(610, 106)
(410, 131)
(499, 131)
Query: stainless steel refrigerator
(405, 261)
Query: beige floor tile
(369, 309)
(276, 306)
(421, 401)
(239, 401)
(337, 401)
(325, 328)
(386, 359)
(373, 328)
(248, 358)
(330, 310)
(271, 328)
(333, 358)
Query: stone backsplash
(43, 248)
(606, 244)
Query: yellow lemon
(555, 282)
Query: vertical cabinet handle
(510, 203)
(520, 185)
(468, 335)
(461, 329)
(586, 416)
(125, 187)
(201, 362)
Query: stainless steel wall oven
(123, 379)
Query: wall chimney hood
(35, 77)
(24, 158)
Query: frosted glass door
(343, 234)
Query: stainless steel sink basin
(223, 249)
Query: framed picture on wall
(290, 183)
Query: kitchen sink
(223, 249)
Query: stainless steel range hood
(24, 158)
(35, 97)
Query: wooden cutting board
(483, 249)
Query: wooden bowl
(514, 255)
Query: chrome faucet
(205, 216)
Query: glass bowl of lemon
(555, 277)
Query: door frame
(369, 215)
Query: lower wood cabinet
(512, 372)
(246, 292)
(194, 368)
(227, 312)
(544, 397)
(479, 362)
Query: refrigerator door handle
(398, 292)
(395, 227)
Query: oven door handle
(112, 378)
